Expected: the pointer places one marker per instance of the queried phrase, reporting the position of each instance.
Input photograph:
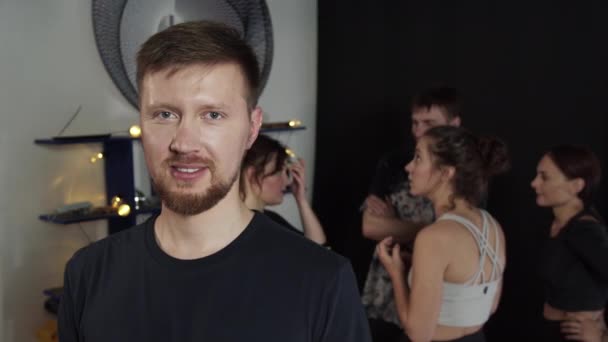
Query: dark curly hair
(475, 159)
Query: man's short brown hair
(199, 42)
(446, 98)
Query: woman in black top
(574, 261)
(265, 175)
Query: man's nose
(187, 138)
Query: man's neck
(197, 236)
(253, 202)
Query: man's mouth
(187, 170)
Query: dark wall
(533, 74)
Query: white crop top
(469, 304)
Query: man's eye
(214, 115)
(165, 115)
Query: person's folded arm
(377, 228)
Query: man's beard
(189, 204)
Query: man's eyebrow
(163, 105)
(207, 106)
(215, 105)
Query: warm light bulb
(124, 210)
(290, 153)
(135, 131)
(93, 159)
(295, 123)
(99, 155)
(116, 201)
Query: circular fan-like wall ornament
(121, 26)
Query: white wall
(291, 92)
(49, 65)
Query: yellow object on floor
(48, 332)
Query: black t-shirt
(267, 285)
(574, 265)
(281, 220)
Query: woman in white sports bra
(455, 279)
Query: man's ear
(455, 121)
(256, 117)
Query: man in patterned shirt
(390, 210)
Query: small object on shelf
(51, 304)
(53, 292)
(282, 126)
(48, 332)
(78, 206)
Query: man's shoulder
(126, 242)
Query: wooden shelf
(94, 214)
(82, 139)
(281, 129)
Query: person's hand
(379, 207)
(298, 186)
(392, 257)
(587, 330)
